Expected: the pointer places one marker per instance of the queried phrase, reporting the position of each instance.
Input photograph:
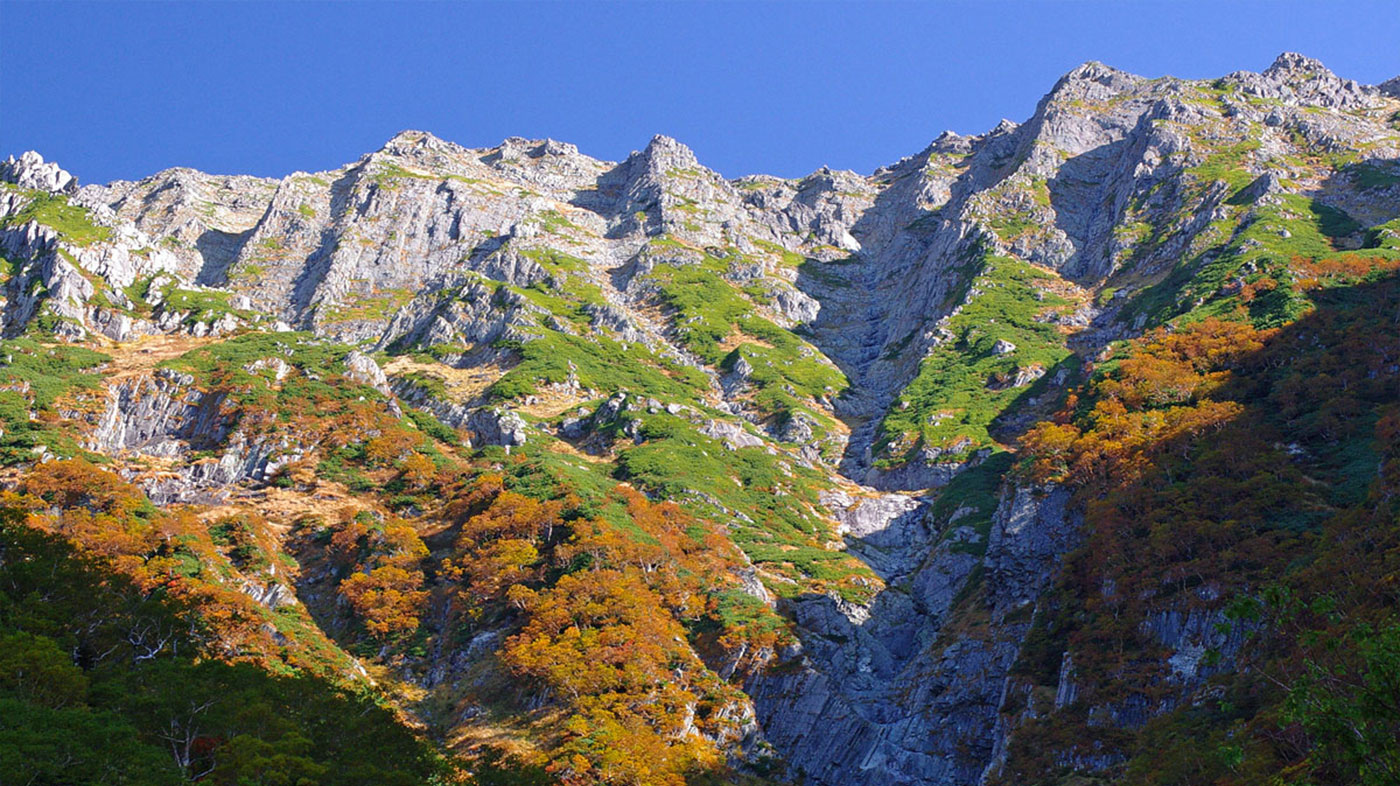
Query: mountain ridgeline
(1068, 453)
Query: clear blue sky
(121, 90)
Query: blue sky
(121, 90)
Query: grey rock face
(54, 276)
(44, 280)
(161, 416)
(1025, 375)
(1299, 80)
(273, 595)
(321, 250)
(931, 469)
(882, 695)
(887, 531)
(1030, 531)
(1192, 632)
(164, 416)
(731, 434)
(1265, 185)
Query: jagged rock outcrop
(30, 171)
(887, 531)
(362, 368)
(1298, 80)
(498, 427)
(1031, 529)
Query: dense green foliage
(1263, 265)
(74, 223)
(36, 376)
(598, 363)
(103, 681)
(770, 502)
(718, 322)
(964, 383)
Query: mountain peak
(1296, 65)
(1089, 69)
(409, 138)
(518, 146)
(1006, 126)
(666, 149)
(416, 145)
(1299, 80)
(1092, 81)
(410, 135)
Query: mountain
(1064, 453)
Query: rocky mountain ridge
(879, 343)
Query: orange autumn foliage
(1314, 271)
(1216, 477)
(417, 471)
(390, 446)
(1158, 396)
(386, 555)
(602, 641)
(159, 551)
(388, 599)
(603, 615)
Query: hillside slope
(1025, 459)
